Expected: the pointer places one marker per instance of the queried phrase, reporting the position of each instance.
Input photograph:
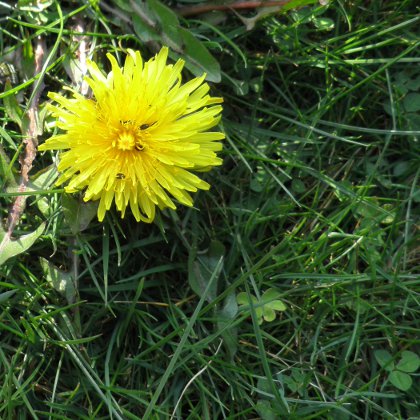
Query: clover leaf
(399, 373)
(265, 308)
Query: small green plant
(265, 307)
(297, 381)
(399, 373)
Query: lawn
(289, 290)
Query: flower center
(131, 136)
(126, 141)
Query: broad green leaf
(230, 307)
(269, 314)
(277, 305)
(400, 380)
(145, 23)
(263, 385)
(11, 104)
(412, 102)
(4, 133)
(78, 214)
(413, 120)
(10, 248)
(266, 411)
(264, 309)
(298, 376)
(42, 181)
(401, 168)
(242, 298)
(292, 385)
(270, 299)
(298, 186)
(124, 5)
(59, 280)
(269, 295)
(259, 312)
(6, 174)
(409, 362)
(153, 21)
(168, 24)
(73, 68)
(385, 359)
(202, 268)
(144, 31)
(198, 58)
(224, 316)
(413, 84)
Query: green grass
(317, 198)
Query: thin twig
(81, 55)
(237, 5)
(31, 143)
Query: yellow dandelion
(137, 141)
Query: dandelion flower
(137, 140)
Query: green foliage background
(291, 290)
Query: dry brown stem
(30, 141)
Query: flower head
(137, 141)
